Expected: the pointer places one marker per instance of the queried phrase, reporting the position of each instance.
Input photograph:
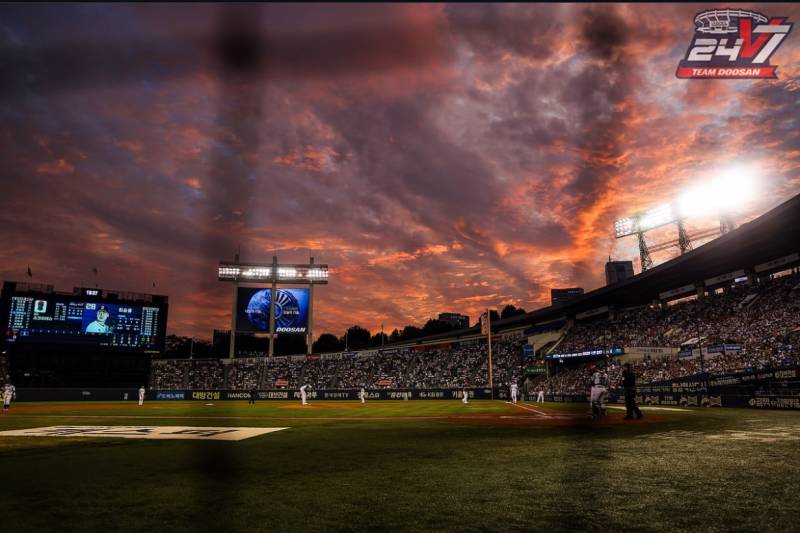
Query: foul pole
(310, 332)
(272, 293)
(232, 342)
(489, 343)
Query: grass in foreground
(347, 466)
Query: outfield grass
(396, 465)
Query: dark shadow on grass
(216, 481)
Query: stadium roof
(773, 235)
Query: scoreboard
(291, 310)
(85, 317)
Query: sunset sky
(445, 158)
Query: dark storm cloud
(233, 39)
(596, 93)
(495, 30)
(564, 125)
(525, 131)
(407, 159)
(401, 149)
(604, 33)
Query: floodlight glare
(296, 274)
(656, 217)
(732, 189)
(736, 186)
(650, 219)
(624, 227)
(286, 273)
(694, 201)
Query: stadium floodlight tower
(732, 189)
(237, 272)
(641, 223)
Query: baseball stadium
(327, 293)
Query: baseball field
(395, 465)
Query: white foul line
(532, 410)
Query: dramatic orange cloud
(439, 158)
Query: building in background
(618, 270)
(564, 295)
(457, 320)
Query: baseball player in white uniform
(141, 395)
(9, 392)
(598, 395)
(514, 393)
(303, 397)
(464, 396)
(362, 395)
(540, 396)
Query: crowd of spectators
(280, 373)
(578, 380)
(761, 323)
(206, 374)
(3, 370)
(356, 372)
(244, 375)
(169, 374)
(652, 370)
(761, 320)
(320, 373)
(742, 313)
(465, 366)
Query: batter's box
(143, 432)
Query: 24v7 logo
(733, 43)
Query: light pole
(702, 358)
(272, 274)
(486, 328)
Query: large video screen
(73, 320)
(291, 310)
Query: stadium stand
(170, 374)
(762, 322)
(244, 376)
(731, 296)
(206, 374)
(3, 370)
(465, 366)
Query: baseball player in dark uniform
(629, 383)
(253, 396)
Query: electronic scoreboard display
(86, 318)
(291, 310)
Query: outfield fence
(90, 394)
(727, 399)
(774, 388)
(777, 388)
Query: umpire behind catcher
(629, 382)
